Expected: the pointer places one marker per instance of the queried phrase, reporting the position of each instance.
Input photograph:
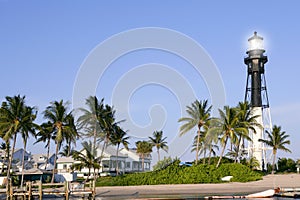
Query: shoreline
(199, 190)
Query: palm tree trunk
(204, 155)
(238, 149)
(209, 155)
(23, 163)
(197, 146)
(94, 142)
(95, 151)
(54, 168)
(102, 151)
(117, 163)
(48, 153)
(11, 157)
(274, 159)
(95, 154)
(9, 167)
(143, 160)
(223, 150)
(69, 149)
(158, 156)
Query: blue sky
(43, 45)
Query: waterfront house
(134, 161)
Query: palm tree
(66, 151)
(30, 113)
(246, 120)
(252, 163)
(143, 148)
(87, 158)
(119, 137)
(88, 121)
(212, 147)
(13, 120)
(277, 139)
(201, 147)
(227, 126)
(159, 142)
(72, 136)
(236, 152)
(45, 134)
(107, 122)
(58, 116)
(199, 115)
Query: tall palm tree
(227, 127)
(199, 115)
(277, 139)
(211, 141)
(107, 122)
(201, 147)
(30, 113)
(58, 116)
(144, 148)
(119, 137)
(72, 136)
(88, 120)
(46, 134)
(159, 142)
(13, 120)
(86, 157)
(246, 120)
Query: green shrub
(175, 174)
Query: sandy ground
(198, 190)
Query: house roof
(133, 155)
(109, 151)
(49, 167)
(37, 157)
(65, 160)
(20, 149)
(33, 171)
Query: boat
(263, 194)
(289, 193)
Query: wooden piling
(29, 190)
(40, 190)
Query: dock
(39, 190)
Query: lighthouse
(256, 95)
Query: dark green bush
(175, 174)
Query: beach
(199, 190)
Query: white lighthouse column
(257, 150)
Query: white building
(128, 161)
(134, 161)
(109, 160)
(64, 164)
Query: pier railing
(65, 189)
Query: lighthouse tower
(256, 95)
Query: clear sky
(43, 46)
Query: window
(127, 164)
(135, 165)
(105, 163)
(65, 166)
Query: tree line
(233, 126)
(96, 122)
